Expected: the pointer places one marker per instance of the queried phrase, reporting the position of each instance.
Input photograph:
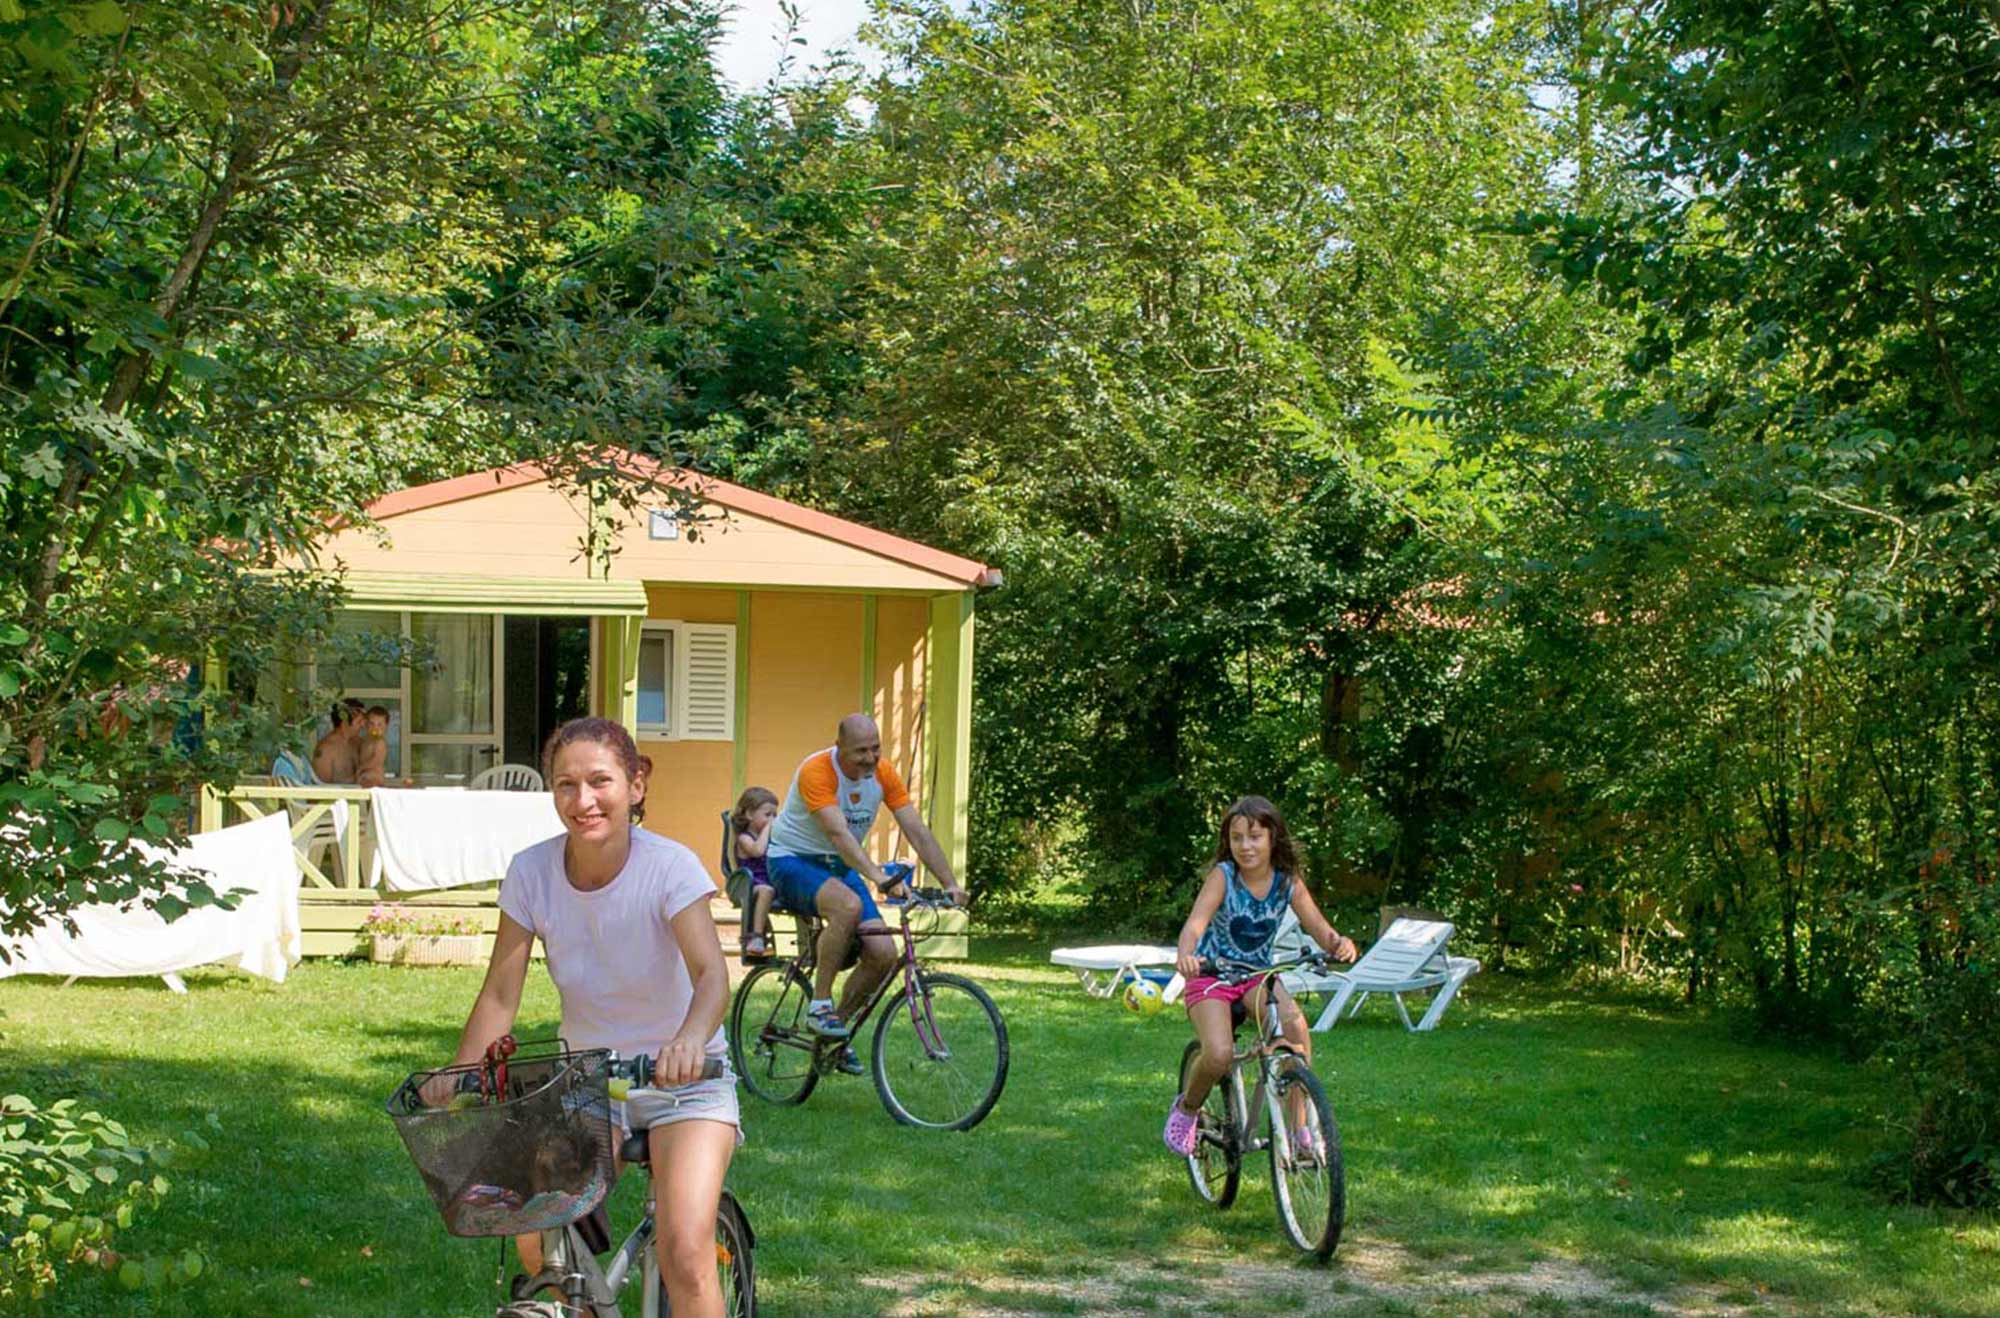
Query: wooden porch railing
(334, 905)
(314, 828)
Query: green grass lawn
(1542, 1152)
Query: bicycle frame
(1300, 1132)
(1269, 1046)
(568, 1265)
(909, 968)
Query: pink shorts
(1207, 988)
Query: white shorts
(704, 1100)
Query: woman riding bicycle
(1235, 918)
(624, 921)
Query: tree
(245, 287)
(1109, 306)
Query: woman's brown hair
(605, 733)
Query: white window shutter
(705, 664)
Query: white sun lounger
(1409, 957)
(1102, 969)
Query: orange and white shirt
(819, 783)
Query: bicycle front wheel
(1216, 1166)
(735, 1261)
(940, 1053)
(769, 1043)
(1306, 1171)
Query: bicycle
(940, 1048)
(1307, 1175)
(484, 1156)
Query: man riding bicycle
(817, 865)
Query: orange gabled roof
(712, 490)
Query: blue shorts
(798, 880)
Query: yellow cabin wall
(805, 653)
(742, 550)
(535, 531)
(802, 656)
(682, 605)
(901, 632)
(687, 794)
(527, 531)
(805, 675)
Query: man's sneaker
(826, 1023)
(1182, 1132)
(849, 1063)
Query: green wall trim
(741, 772)
(867, 705)
(447, 593)
(949, 692)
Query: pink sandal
(1182, 1133)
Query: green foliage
(1111, 298)
(248, 284)
(1752, 584)
(71, 1185)
(1941, 995)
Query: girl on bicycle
(1235, 919)
(751, 822)
(624, 921)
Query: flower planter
(427, 949)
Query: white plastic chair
(1102, 969)
(1409, 957)
(507, 778)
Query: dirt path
(1369, 1277)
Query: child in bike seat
(1253, 881)
(751, 822)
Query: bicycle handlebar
(636, 1072)
(1242, 972)
(624, 1074)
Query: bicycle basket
(533, 1156)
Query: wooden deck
(331, 921)
(334, 903)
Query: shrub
(391, 918)
(71, 1184)
(1947, 1053)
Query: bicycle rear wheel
(769, 1043)
(1215, 1168)
(1306, 1171)
(940, 1057)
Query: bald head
(858, 743)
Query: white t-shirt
(611, 951)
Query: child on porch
(751, 819)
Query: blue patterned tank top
(1244, 926)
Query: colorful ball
(1142, 996)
